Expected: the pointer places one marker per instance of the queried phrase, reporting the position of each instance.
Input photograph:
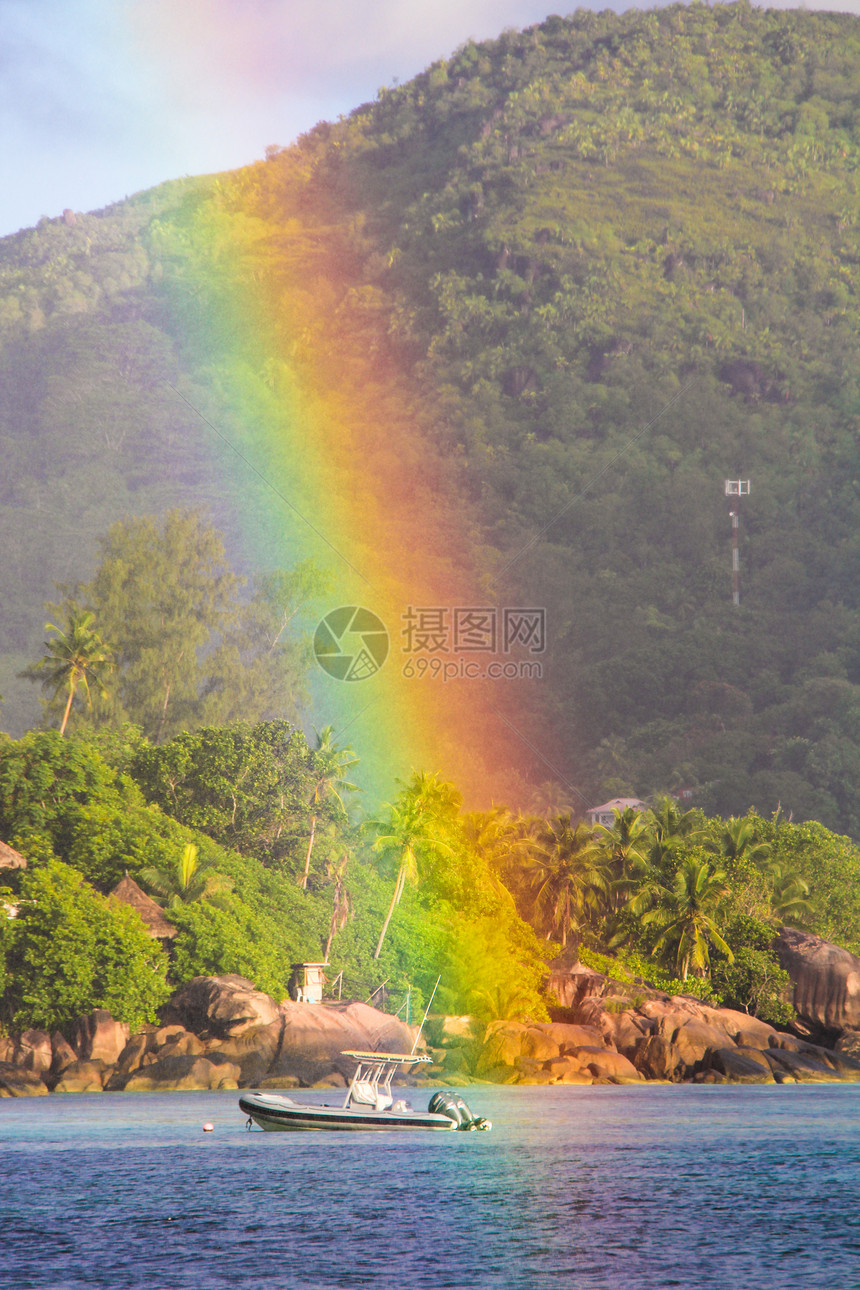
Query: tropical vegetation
(604, 264)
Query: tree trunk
(72, 688)
(163, 717)
(398, 888)
(308, 856)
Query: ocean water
(634, 1188)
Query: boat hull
(273, 1112)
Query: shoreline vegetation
(221, 1033)
(554, 243)
(659, 945)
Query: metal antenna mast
(736, 489)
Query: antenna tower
(735, 490)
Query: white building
(605, 814)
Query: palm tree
(790, 901)
(671, 827)
(76, 657)
(342, 904)
(330, 764)
(188, 880)
(413, 828)
(501, 840)
(571, 872)
(625, 846)
(686, 912)
(737, 843)
(550, 800)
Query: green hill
(613, 261)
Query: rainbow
(326, 455)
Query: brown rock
(742, 1066)
(81, 1077)
(849, 1043)
(98, 1037)
(847, 1065)
(624, 1030)
(528, 1065)
(589, 1012)
(657, 1058)
(331, 1081)
(254, 1051)
(7, 1048)
(603, 1063)
(670, 1021)
(503, 1044)
(62, 1057)
(747, 1031)
(33, 1051)
(570, 1070)
(568, 1036)
(183, 1073)
(218, 1007)
(165, 1035)
(657, 1009)
(695, 1040)
(139, 1051)
(540, 1076)
(273, 1082)
(538, 1045)
(17, 1082)
(182, 1045)
(63, 1054)
(802, 1066)
(315, 1037)
(725, 1019)
(802, 1047)
(573, 988)
(824, 977)
(574, 1077)
(790, 1043)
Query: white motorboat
(369, 1103)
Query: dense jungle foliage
(243, 835)
(612, 260)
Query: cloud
(99, 98)
(217, 48)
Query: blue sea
(605, 1188)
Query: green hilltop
(617, 257)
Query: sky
(100, 99)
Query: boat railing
(371, 1082)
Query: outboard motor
(451, 1104)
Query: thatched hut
(10, 859)
(128, 893)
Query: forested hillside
(613, 261)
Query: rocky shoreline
(222, 1033)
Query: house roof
(10, 859)
(619, 804)
(128, 893)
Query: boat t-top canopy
(395, 1058)
(371, 1083)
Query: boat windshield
(371, 1083)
